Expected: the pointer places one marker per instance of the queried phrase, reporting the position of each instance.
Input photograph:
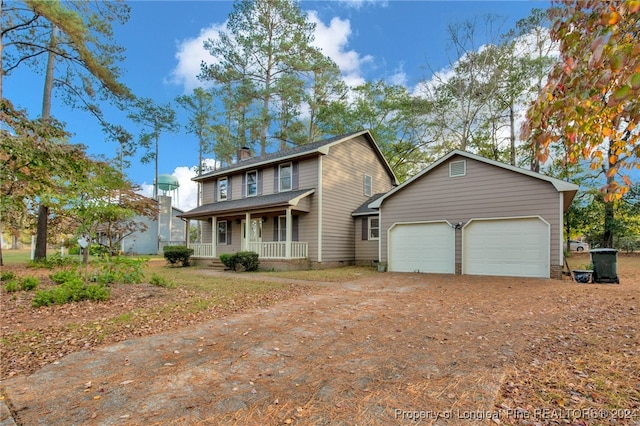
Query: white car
(575, 245)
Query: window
(285, 177)
(457, 168)
(367, 185)
(374, 228)
(222, 189)
(222, 232)
(252, 183)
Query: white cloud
(333, 40)
(190, 54)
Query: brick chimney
(244, 153)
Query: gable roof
(560, 185)
(319, 147)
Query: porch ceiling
(242, 205)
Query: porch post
(214, 232)
(287, 245)
(247, 228)
(186, 232)
(214, 239)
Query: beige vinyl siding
(366, 250)
(343, 171)
(308, 222)
(485, 191)
(308, 173)
(205, 227)
(208, 189)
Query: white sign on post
(83, 242)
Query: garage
(514, 247)
(422, 247)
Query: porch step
(217, 265)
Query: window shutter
(365, 228)
(276, 186)
(215, 192)
(244, 185)
(229, 179)
(275, 228)
(294, 176)
(294, 233)
(259, 183)
(229, 228)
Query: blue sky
(369, 40)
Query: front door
(255, 233)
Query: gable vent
(457, 168)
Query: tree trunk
(43, 211)
(41, 236)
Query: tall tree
(459, 97)
(592, 98)
(199, 104)
(537, 54)
(395, 119)
(76, 34)
(154, 120)
(33, 157)
(267, 44)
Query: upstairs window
(285, 177)
(252, 184)
(222, 189)
(367, 185)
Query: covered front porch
(267, 225)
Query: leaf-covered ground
(368, 349)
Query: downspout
(319, 192)
(561, 229)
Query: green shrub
(123, 269)
(175, 254)
(42, 298)
(105, 277)
(70, 291)
(97, 293)
(229, 260)
(11, 286)
(63, 275)
(7, 276)
(160, 281)
(247, 259)
(29, 283)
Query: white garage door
(422, 247)
(507, 247)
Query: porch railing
(277, 250)
(265, 250)
(202, 249)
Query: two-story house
(293, 207)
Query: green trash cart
(605, 265)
